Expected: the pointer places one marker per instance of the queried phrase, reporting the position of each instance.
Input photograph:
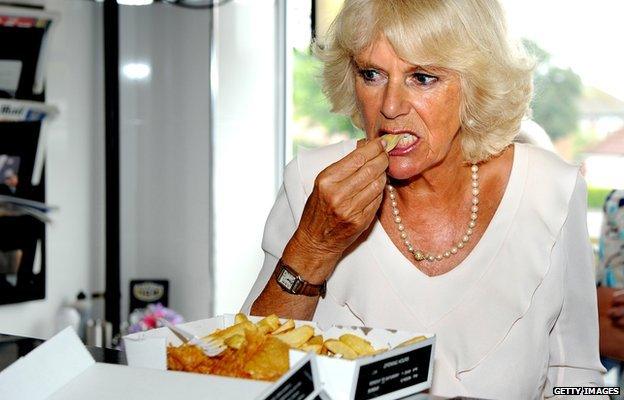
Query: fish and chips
(260, 350)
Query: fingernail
(384, 143)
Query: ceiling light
(136, 71)
(134, 2)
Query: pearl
(420, 255)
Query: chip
(240, 317)
(236, 329)
(361, 346)
(287, 326)
(268, 324)
(296, 337)
(413, 340)
(391, 141)
(338, 347)
(318, 339)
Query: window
(579, 87)
(311, 123)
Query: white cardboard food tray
(62, 369)
(339, 377)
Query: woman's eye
(369, 75)
(424, 79)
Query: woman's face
(421, 103)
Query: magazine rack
(23, 34)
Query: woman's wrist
(312, 264)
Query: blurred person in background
(610, 281)
(456, 231)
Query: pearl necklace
(419, 254)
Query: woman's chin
(401, 171)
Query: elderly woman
(455, 231)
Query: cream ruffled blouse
(516, 318)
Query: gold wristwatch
(291, 282)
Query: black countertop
(13, 347)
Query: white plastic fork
(210, 347)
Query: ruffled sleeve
(279, 228)
(574, 358)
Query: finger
(616, 312)
(618, 300)
(369, 194)
(355, 160)
(365, 175)
(371, 209)
(619, 322)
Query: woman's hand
(342, 205)
(611, 328)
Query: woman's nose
(395, 103)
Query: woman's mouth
(406, 143)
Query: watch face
(287, 279)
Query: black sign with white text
(393, 373)
(297, 387)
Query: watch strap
(311, 290)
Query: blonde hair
(466, 36)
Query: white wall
(165, 160)
(165, 150)
(74, 169)
(165, 154)
(245, 144)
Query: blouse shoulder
(300, 173)
(304, 169)
(550, 183)
(547, 166)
